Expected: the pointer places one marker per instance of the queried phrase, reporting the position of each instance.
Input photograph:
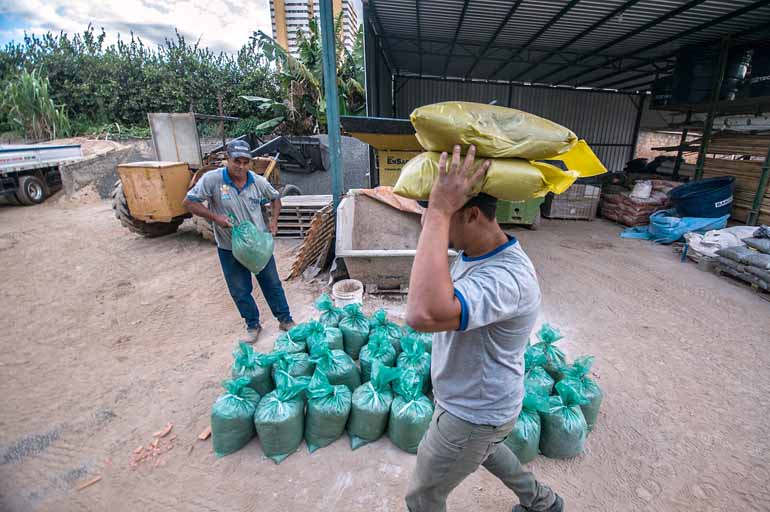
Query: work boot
(558, 506)
(285, 326)
(252, 335)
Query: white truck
(30, 173)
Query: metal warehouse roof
(618, 44)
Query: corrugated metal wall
(606, 121)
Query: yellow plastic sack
(509, 179)
(497, 132)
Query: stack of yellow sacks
(513, 140)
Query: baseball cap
(238, 149)
(482, 200)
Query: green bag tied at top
(415, 358)
(355, 329)
(328, 408)
(318, 334)
(338, 367)
(410, 413)
(524, 439)
(378, 349)
(577, 377)
(330, 315)
(251, 247)
(255, 366)
(296, 365)
(536, 379)
(232, 417)
(371, 406)
(379, 323)
(563, 429)
(285, 343)
(425, 337)
(555, 358)
(280, 417)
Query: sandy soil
(108, 336)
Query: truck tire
(290, 190)
(32, 190)
(148, 229)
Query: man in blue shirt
(238, 191)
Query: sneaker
(285, 326)
(558, 506)
(252, 335)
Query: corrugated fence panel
(605, 120)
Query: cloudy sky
(220, 24)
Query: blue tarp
(666, 228)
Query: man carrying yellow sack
(482, 312)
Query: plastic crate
(578, 202)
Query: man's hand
(274, 226)
(222, 221)
(456, 182)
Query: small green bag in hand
(378, 349)
(255, 366)
(355, 330)
(330, 316)
(328, 408)
(410, 413)
(251, 247)
(564, 427)
(280, 417)
(577, 376)
(232, 417)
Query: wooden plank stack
(297, 213)
(318, 243)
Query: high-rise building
(288, 16)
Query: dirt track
(108, 336)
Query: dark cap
(238, 149)
(482, 200)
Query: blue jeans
(239, 283)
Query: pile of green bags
(371, 406)
(515, 141)
(251, 247)
(297, 364)
(255, 367)
(524, 439)
(355, 329)
(410, 413)
(338, 367)
(414, 357)
(286, 343)
(535, 377)
(425, 337)
(379, 323)
(280, 417)
(328, 408)
(378, 349)
(577, 377)
(232, 417)
(564, 427)
(554, 357)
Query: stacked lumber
(746, 173)
(297, 213)
(318, 243)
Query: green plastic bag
(536, 379)
(415, 358)
(371, 406)
(425, 337)
(280, 418)
(319, 334)
(255, 366)
(285, 343)
(379, 323)
(330, 316)
(251, 247)
(296, 365)
(355, 330)
(328, 408)
(410, 413)
(378, 349)
(232, 424)
(555, 358)
(338, 367)
(524, 439)
(564, 428)
(577, 377)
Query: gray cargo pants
(452, 449)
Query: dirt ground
(108, 336)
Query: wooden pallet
(318, 244)
(297, 213)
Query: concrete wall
(101, 170)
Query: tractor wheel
(148, 229)
(32, 190)
(204, 227)
(290, 190)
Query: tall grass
(27, 104)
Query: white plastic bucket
(348, 291)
